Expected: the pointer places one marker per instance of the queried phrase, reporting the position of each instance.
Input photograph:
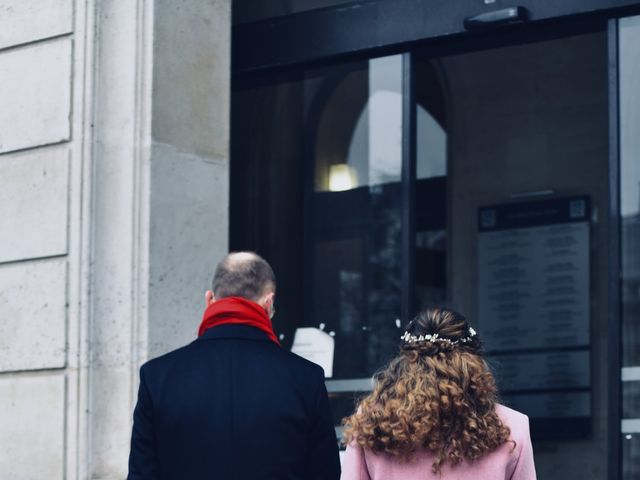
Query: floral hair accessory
(433, 338)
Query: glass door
(317, 188)
(353, 218)
(481, 180)
(511, 228)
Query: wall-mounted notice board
(533, 309)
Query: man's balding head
(243, 274)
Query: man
(233, 404)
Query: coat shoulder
(517, 422)
(164, 360)
(303, 364)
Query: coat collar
(245, 332)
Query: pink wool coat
(504, 463)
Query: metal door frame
(614, 351)
(384, 27)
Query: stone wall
(113, 210)
(41, 157)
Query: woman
(433, 413)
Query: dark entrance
(364, 175)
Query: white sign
(316, 346)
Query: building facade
(383, 155)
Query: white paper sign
(316, 346)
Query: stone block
(34, 204)
(190, 79)
(32, 427)
(189, 230)
(111, 413)
(35, 94)
(33, 312)
(23, 21)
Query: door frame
(614, 351)
(385, 27)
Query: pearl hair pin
(433, 338)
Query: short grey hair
(243, 274)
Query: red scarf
(237, 311)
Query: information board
(533, 310)
(533, 274)
(543, 370)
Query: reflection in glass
(499, 127)
(629, 64)
(359, 130)
(630, 185)
(354, 223)
(430, 187)
(315, 189)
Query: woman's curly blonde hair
(439, 396)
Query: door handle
(505, 16)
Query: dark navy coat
(232, 405)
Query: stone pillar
(189, 165)
(161, 195)
(119, 227)
(113, 210)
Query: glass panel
(630, 186)
(631, 456)
(354, 222)
(511, 228)
(431, 187)
(629, 64)
(267, 188)
(315, 189)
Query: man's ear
(269, 298)
(209, 298)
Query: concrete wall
(40, 165)
(189, 203)
(113, 209)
